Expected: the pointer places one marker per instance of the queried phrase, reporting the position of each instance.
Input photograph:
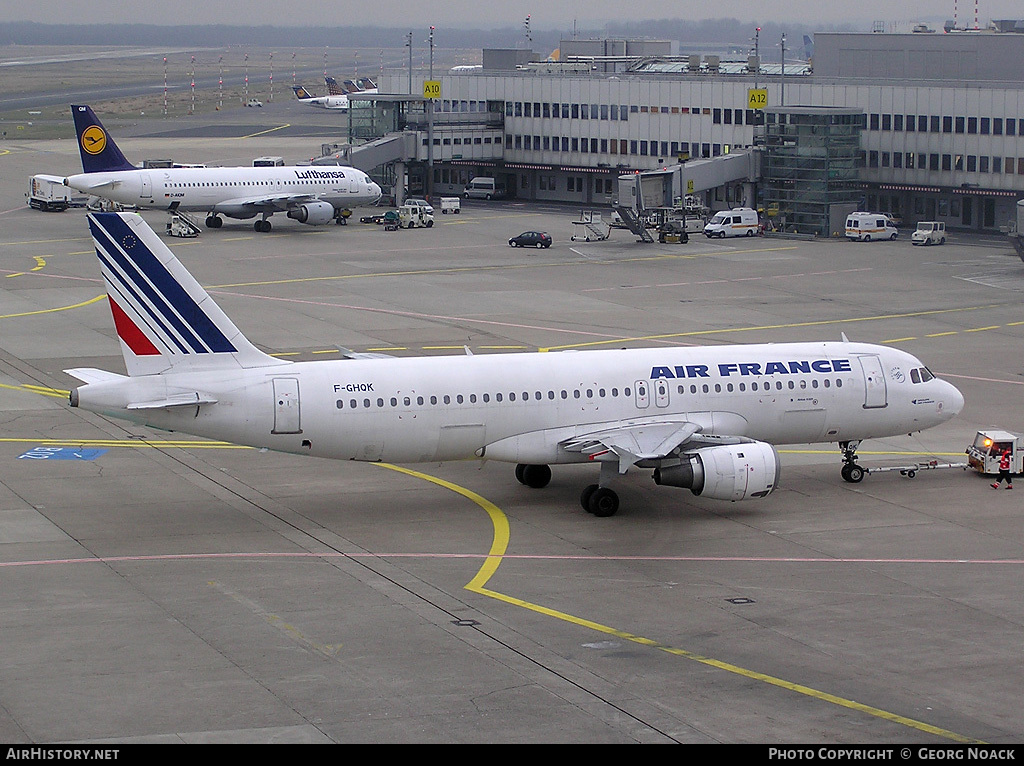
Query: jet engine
(726, 472)
(313, 213)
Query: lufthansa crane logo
(94, 140)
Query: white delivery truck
(988, 447)
(46, 193)
(864, 227)
(413, 216)
(483, 187)
(738, 222)
(450, 205)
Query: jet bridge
(650, 189)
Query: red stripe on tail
(130, 333)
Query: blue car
(531, 239)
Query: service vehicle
(420, 203)
(531, 239)
(483, 187)
(254, 102)
(414, 216)
(451, 205)
(738, 222)
(864, 227)
(929, 233)
(268, 162)
(46, 193)
(988, 447)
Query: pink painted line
(525, 557)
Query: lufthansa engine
(313, 213)
(726, 472)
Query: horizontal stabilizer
(92, 375)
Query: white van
(864, 227)
(483, 187)
(738, 222)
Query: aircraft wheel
(603, 502)
(520, 468)
(852, 473)
(536, 476)
(214, 222)
(585, 496)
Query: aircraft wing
(633, 443)
(274, 202)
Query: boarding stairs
(181, 224)
(634, 223)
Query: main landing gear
(214, 222)
(851, 472)
(262, 225)
(595, 498)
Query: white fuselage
(233, 191)
(523, 407)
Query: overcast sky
(547, 15)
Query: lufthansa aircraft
(705, 419)
(310, 195)
(323, 102)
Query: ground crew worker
(1004, 471)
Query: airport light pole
(408, 44)
(782, 80)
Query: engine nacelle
(727, 472)
(313, 213)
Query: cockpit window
(915, 376)
(926, 375)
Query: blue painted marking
(62, 453)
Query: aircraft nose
(954, 400)
(375, 190)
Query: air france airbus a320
(704, 419)
(311, 195)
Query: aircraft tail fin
(165, 320)
(99, 152)
(333, 88)
(301, 93)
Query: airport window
(584, 111)
(873, 122)
(565, 110)
(897, 159)
(972, 125)
(1020, 166)
(604, 146)
(643, 148)
(958, 162)
(536, 109)
(922, 123)
(959, 125)
(983, 164)
(947, 125)
(575, 111)
(997, 164)
(575, 144)
(623, 113)
(614, 109)
(547, 142)
(947, 162)
(933, 123)
(886, 122)
(727, 116)
(885, 159)
(716, 116)
(997, 126)
(547, 110)
(972, 163)
(584, 145)
(872, 159)
(1009, 166)
(604, 111)
(933, 162)
(897, 122)
(594, 110)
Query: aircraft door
(147, 186)
(286, 406)
(661, 389)
(643, 394)
(874, 382)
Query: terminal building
(926, 125)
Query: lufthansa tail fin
(333, 88)
(99, 152)
(301, 93)
(165, 320)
